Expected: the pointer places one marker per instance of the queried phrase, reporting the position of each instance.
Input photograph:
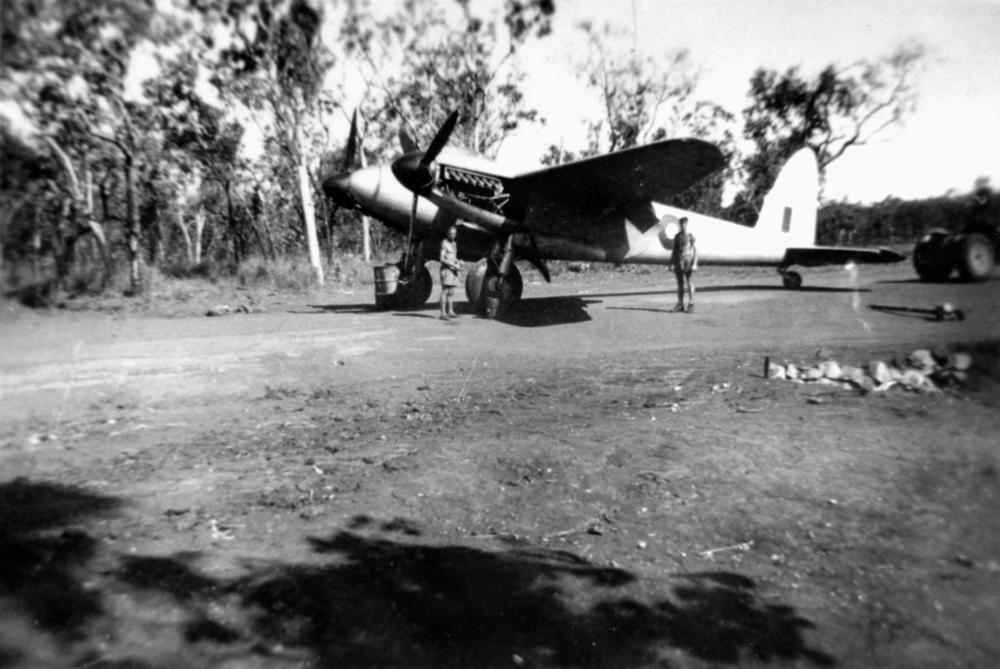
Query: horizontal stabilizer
(815, 256)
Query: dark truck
(971, 251)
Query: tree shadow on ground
(39, 555)
(379, 601)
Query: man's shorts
(684, 266)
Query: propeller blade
(407, 142)
(440, 139)
(352, 142)
(413, 218)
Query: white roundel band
(669, 227)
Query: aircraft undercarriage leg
(492, 284)
(791, 280)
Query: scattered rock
(961, 362)
(964, 560)
(400, 463)
(879, 371)
(830, 370)
(940, 354)
(812, 374)
(921, 359)
(923, 371)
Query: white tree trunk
(188, 251)
(199, 225)
(366, 225)
(305, 191)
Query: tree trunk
(81, 199)
(199, 225)
(188, 250)
(132, 226)
(305, 192)
(366, 226)
(234, 232)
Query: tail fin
(789, 210)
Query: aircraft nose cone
(412, 173)
(338, 189)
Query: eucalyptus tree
(274, 62)
(646, 97)
(424, 59)
(66, 63)
(840, 108)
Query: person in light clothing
(449, 273)
(684, 261)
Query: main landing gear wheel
(791, 280)
(487, 292)
(417, 291)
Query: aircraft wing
(814, 256)
(616, 180)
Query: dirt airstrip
(593, 482)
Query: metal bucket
(386, 284)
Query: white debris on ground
(921, 371)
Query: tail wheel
(791, 280)
(976, 260)
(932, 258)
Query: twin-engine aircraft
(602, 209)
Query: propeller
(415, 170)
(352, 142)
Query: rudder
(789, 209)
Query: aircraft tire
(791, 280)
(475, 286)
(932, 258)
(418, 291)
(487, 294)
(976, 260)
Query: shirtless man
(449, 273)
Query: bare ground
(594, 481)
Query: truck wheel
(975, 258)
(932, 258)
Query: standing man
(449, 273)
(684, 261)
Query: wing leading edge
(655, 171)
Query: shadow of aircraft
(340, 308)
(375, 599)
(544, 311)
(672, 291)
